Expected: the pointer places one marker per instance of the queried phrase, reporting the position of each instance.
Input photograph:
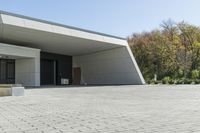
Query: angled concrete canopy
(102, 58)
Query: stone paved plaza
(110, 109)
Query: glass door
(7, 71)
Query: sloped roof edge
(57, 24)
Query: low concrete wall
(11, 90)
(5, 91)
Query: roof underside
(56, 38)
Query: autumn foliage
(171, 52)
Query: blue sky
(115, 17)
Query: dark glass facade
(54, 67)
(7, 71)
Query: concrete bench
(11, 90)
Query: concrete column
(27, 72)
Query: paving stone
(100, 109)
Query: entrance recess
(48, 72)
(7, 71)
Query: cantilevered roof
(53, 37)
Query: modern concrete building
(35, 52)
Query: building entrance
(7, 71)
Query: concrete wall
(115, 66)
(27, 67)
(27, 72)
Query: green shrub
(197, 81)
(171, 81)
(180, 73)
(148, 81)
(156, 82)
(195, 74)
(166, 80)
(180, 81)
(187, 81)
(152, 82)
